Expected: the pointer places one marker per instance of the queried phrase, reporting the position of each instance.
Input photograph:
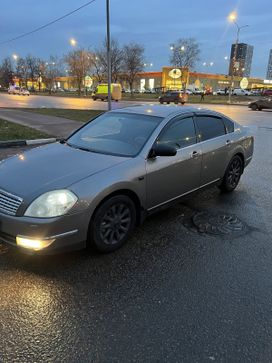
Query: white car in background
(241, 92)
(14, 90)
(222, 92)
(24, 92)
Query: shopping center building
(178, 78)
(168, 78)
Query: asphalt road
(181, 290)
(33, 101)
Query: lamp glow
(33, 244)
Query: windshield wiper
(82, 148)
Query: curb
(12, 143)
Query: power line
(48, 24)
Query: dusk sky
(153, 23)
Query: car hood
(49, 167)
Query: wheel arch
(127, 192)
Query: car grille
(9, 203)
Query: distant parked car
(241, 92)
(14, 90)
(256, 92)
(24, 92)
(73, 90)
(172, 96)
(261, 104)
(222, 92)
(267, 92)
(188, 91)
(197, 91)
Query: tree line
(126, 63)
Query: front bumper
(68, 232)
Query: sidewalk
(53, 126)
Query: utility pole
(108, 53)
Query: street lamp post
(108, 53)
(232, 18)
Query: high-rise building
(269, 66)
(240, 60)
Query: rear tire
(161, 102)
(254, 107)
(232, 175)
(112, 224)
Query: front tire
(254, 107)
(232, 175)
(112, 224)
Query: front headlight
(52, 204)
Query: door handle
(228, 142)
(195, 154)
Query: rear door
(215, 145)
(169, 177)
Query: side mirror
(162, 150)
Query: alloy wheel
(115, 224)
(234, 172)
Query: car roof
(163, 110)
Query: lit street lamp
(73, 42)
(208, 64)
(232, 18)
(148, 64)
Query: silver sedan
(92, 189)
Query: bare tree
(133, 62)
(22, 71)
(97, 68)
(185, 52)
(6, 72)
(80, 63)
(34, 67)
(51, 71)
(116, 59)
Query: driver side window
(179, 134)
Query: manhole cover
(218, 224)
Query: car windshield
(114, 133)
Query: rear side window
(228, 124)
(180, 133)
(210, 127)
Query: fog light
(33, 244)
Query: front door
(169, 177)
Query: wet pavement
(35, 101)
(192, 285)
